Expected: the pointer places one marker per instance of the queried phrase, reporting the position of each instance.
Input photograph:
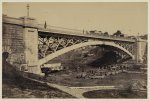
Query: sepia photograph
(74, 50)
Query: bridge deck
(81, 33)
(61, 30)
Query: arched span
(67, 49)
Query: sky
(129, 18)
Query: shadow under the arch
(107, 59)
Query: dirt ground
(114, 94)
(69, 79)
(30, 89)
(128, 81)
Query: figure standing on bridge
(45, 25)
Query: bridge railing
(60, 29)
(86, 33)
(12, 20)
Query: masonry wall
(13, 43)
(142, 51)
(31, 49)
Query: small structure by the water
(54, 66)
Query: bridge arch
(67, 49)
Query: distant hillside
(80, 57)
(90, 56)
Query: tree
(106, 34)
(118, 33)
(144, 37)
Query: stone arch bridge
(30, 44)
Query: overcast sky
(130, 18)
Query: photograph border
(36, 99)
